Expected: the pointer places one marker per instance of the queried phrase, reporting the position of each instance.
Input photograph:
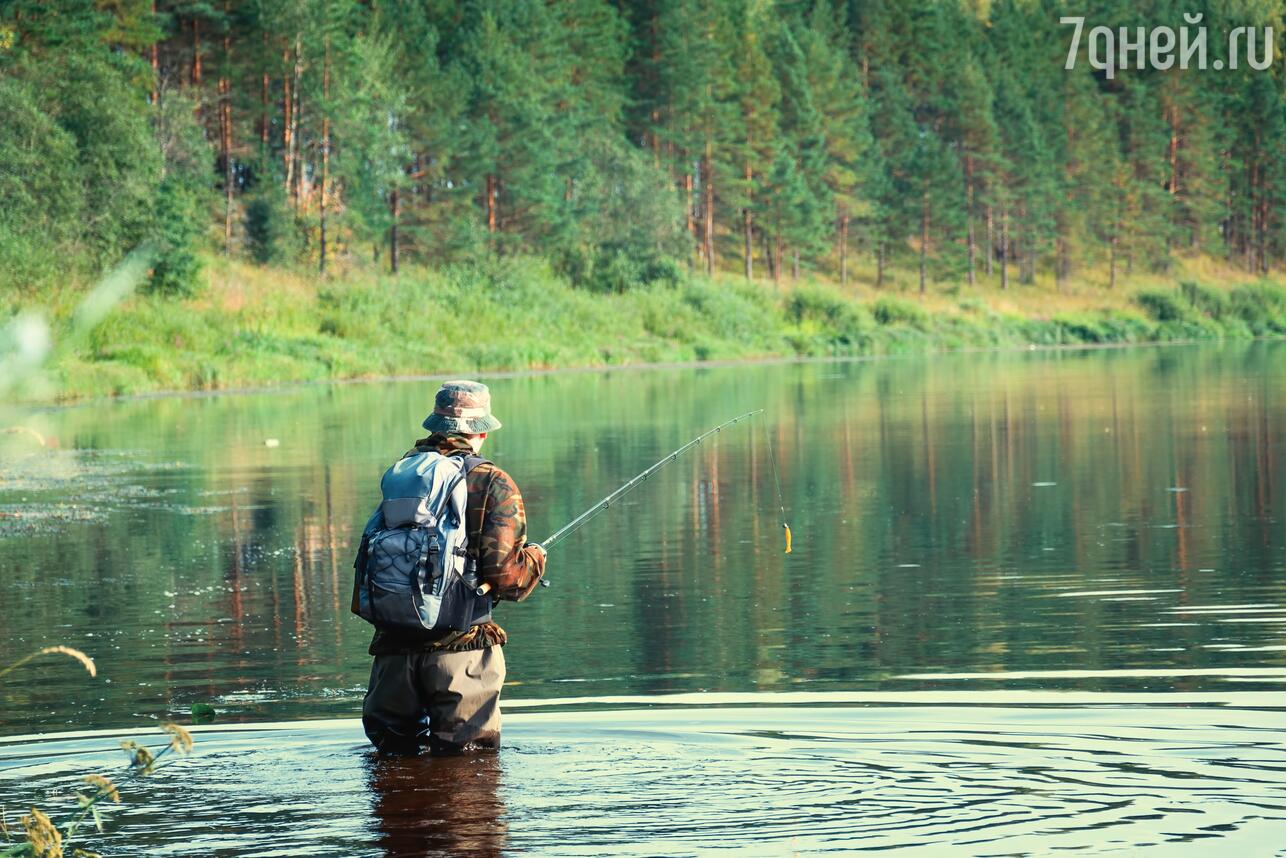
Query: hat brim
(463, 425)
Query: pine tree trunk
(1254, 252)
(1004, 248)
(1060, 263)
(879, 265)
(225, 154)
(196, 56)
(287, 117)
(924, 237)
(1027, 258)
(301, 179)
(969, 236)
(794, 265)
(778, 262)
(689, 194)
(1173, 184)
(747, 225)
(991, 240)
(293, 110)
(1264, 215)
(491, 203)
(325, 154)
(395, 211)
(1111, 255)
(155, 57)
(264, 121)
(707, 215)
(843, 249)
(225, 139)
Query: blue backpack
(413, 572)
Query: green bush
(176, 268)
(1261, 306)
(828, 321)
(41, 199)
(267, 226)
(1108, 326)
(1209, 301)
(1164, 306)
(1080, 328)
(895, 311)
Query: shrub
(176, 267)
(895, 311)
(1262, 306)
(1080, 328)
(1203, 298)
(1164, 306)
(267, 226)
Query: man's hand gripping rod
(580, 520)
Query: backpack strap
(467, 464)
(471, 462)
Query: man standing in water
(443, 691)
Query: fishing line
(781, 501)
(584, 518)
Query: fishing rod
(582, 519)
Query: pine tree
(838, 94)
(757, 137)
(696, 118)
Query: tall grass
(41, 836)
(253, 326)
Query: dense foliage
(621, 140)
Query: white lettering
(1266, 60)
(1125, 48)
(1106, 61)
(1076, 40)
(1161, 48)
(1189, 46)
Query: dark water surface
(1100, 532)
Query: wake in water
(770, 779)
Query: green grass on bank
(259, 327)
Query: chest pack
(413, 571)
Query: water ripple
(983, 779)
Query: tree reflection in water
(438, 805)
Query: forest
(624, 141)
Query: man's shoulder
(487, 472)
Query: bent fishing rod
(582, 519)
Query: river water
(1036, 602)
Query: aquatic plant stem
(85, 660)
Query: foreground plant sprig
(44, 838)
(85, 660)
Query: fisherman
(442, 691)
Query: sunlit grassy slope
(252, 326)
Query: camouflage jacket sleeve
(505, 561)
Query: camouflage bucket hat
(462, 406)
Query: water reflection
(970, 514)
(438, 805)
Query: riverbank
(255, 327)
